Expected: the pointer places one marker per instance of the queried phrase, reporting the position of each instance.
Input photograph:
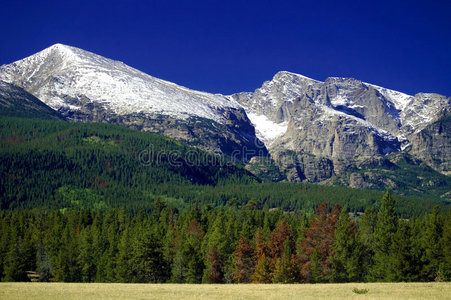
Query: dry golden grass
(68, 291)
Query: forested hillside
(224, 245)
(56, 164)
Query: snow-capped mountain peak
(68, 77)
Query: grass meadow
(68, 291)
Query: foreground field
(235, 291)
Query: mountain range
(294, 128)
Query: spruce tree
(244, 261)
(213, 272)
(446, 242)
(284, 271)
(401, 264)
(385, 229)
(263, 272)
(348, 251)
(431, 246)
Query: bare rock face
(339, 121)
(433, 144)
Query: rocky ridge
(313, 131)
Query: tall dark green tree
(147, 260)
(401, 265)
(446, 242)
(86, 258)
(432, 247)
(347, 260)
(384, 231)
(124, 271)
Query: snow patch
(267, 130)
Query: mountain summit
(66, 78)
(313, 130)
(84, 86)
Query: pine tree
(123, 267)
(284, 271)
(43, 263)
(319, 237)
(386, 227)
(278, 238)
(15, 265)
(244, 261)
(263, 272)
(316, 270)
(86, 256)
(431, 246)
(147, 261)
(348, 251)
(446, 242)
(401, 264)
(213, 272)
(192, 252)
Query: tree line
(225, 245)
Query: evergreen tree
(192, 253)
(279, 237)
(15, 266)
(213, 272)
(86, 257)
(348, 251)
(401, 265)
(431, 246)
(123, 268)
(319, 237)
(263, 272)
(446, 242)
(386, 227)
(315, 270)
(147, 261)
(244, 261)
(43, 262)
(285, 271)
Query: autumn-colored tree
(213, 272)
(262, 248)
(320, 237)
(263, 268)
(244, 261)
(279, 237)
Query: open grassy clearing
(234, 291)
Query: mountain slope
(84, 86)
(16, 102)
(49, 162)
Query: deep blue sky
(232, 46)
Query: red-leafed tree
(213, 272)
(319, 238)
(263, 269)
(244, 261)
(282, 234)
